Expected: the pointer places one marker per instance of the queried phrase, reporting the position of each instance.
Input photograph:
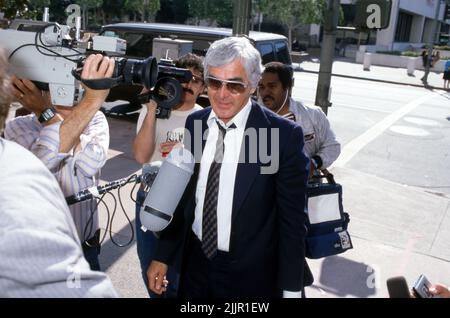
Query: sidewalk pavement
(396, 230)
(348, 68)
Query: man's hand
(31, 97)
(166, 147)
(440, 290)
(156, 275)
(151, 105)
(97, 66)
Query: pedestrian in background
(424, 56)
(435, 56)
(446, 75)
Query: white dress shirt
(232, 141)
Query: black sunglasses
(234, 87)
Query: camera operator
(154, 140)
(71, 141)
(39, 245)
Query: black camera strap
(98, 84)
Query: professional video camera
(53, 59)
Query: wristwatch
(47, 114)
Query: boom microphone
(95, 191)
(167, 190)
(398, 288)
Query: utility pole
(242, 11)
(430, 48)
(327, 54)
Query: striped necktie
(209, 221)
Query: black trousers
(204, 278)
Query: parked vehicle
(139, 37)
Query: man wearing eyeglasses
(239, 229)
(154, 140)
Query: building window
(403, 27)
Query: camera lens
(167, 92)
(140, 72)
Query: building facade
(412, 25)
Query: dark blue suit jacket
(267, 246)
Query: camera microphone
(167, 190)
(398, 288)
(95, 191)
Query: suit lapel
(195, 141)
(204, 130)
(247, 171)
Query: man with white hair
(239, 229)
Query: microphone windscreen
(167, 190)
(398, 288)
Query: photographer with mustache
(154, 140)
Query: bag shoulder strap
(325, 174)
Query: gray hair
(225, 51)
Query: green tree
(112, 11)
(36, 8)
(220, 11)
(146, 9)
(86, 6)
(198, 9)
(180, 10)
(58, 10)
(12, 8)
(293, 13)
(173, 11)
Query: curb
(376, 80)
